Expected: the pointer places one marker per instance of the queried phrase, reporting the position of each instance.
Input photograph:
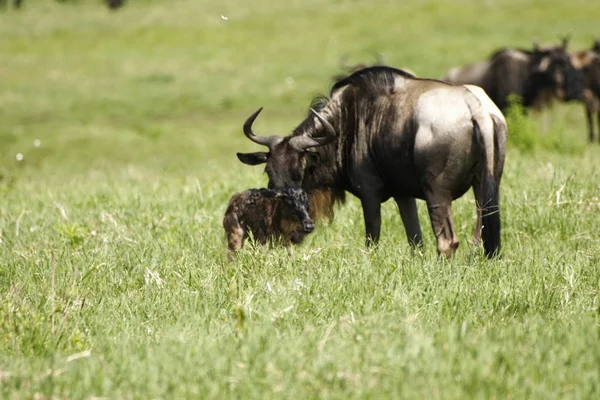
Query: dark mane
(372, 78)
(326, 188)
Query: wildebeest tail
(488, 194)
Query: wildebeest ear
(260, 157)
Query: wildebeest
(16, 3)
(538, 76)
(588, 61)
(114, 4)
(384, 133)
(282, 217)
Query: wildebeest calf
(278, 216)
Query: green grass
(113, 281)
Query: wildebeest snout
(308, 226)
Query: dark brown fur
(114, 4)
(280, 217)
(588, 61)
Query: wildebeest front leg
(410, 218)
(590, 121)
(372, 215)
(440, 212)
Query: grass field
(113, 280)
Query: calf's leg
(234, 234)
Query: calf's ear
(259, 157)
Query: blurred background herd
(152, 69)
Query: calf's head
(297, 202)
(289, 158)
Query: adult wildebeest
(16, 3)
(112, 4)
(384, 133)
(588, 61)
(282, 217)
(538, 76)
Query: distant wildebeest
(538, 76)
(114, 4)
(588, 61)
(16, 3)
(384, 133)
(281, 217)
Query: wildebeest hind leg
(440, 212)
(478, 224)
(410, 218)
(372, 215)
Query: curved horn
(329, 129)
(304, 142)
(268, 141)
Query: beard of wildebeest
(385, 134)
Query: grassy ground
(112, 275)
